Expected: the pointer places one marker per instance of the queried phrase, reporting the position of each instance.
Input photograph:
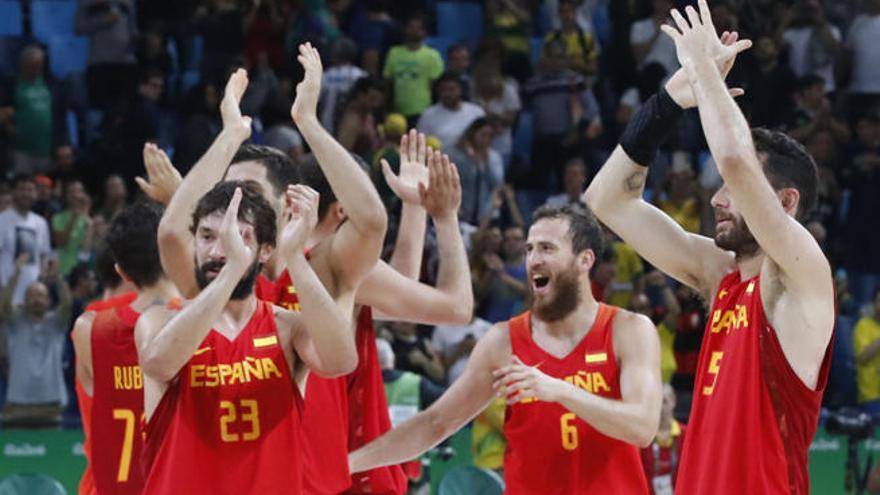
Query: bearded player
(109, 380)
(765, 354)
(582, 379)
(349, 229)
(220, 375)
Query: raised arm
(615, 195)
(395, 297)
(164, 347)
(633, 418)
(358, 243)
(410, 243)
(8, 293)
(323, 336)
(469, 395)
(784, 240)
(175, 239)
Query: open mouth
(540, 283)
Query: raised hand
(413, 169)
(239, 256)
(302, 212)
(307, 92)
(722, 51)
(442, 196)
(162, 178)
(230, 106)
(516, 382)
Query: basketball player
(347, 225)
(221, 400)
(582, 379)
(764, 358)
(109, 381)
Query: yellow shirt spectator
(866, 333)
(581, 50)
(487, 442)
(667, 352)
(687, 214)
(629, 268)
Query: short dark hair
(455, 47)
(343, 50)
(253, 209)
(280, 169)
(132, 242)
(79, 272)
(105, 269)
(583, 228)
(788, 164)
(808, 81)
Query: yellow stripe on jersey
(265, 341)
(596, 358)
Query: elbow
(168, 230)
(377, 221)
(592, 197)
(643, 438)
(341, 365)
(463, 313)
(156, 367)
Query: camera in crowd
(850, 422)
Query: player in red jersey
(764, 358)
(109, 381)
(220, 375)
(582, 378)
(346, 227)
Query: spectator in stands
(63, 166)
(71, 228)
(115, 197)
(391, 131)
(813, 111)
(153, 52)
(660, 459)
(264, 23)
(5, 197)
(688, 339)
(279, 131)
(510, 21)
(450, 116)
(813, 42)
(412, 67)
(338, 78)
(682, 199)
(864, 53)
(263, 84)
(83, 289)
(658, 302)
(201, 124)
(33, 106)
(373, 30)
(219, 22)
(454, 344)
(769, 87)
(649, 44)
(498, 96)
(866, 343)
(503, 288)
(35, 336)
(111, 26)
(581, 50)
(574, 181)
(458, 62)
(479, 166)
(360, 114)
(488, 443)
(602, 275)
(48, 200)
(628, 271)
(564, 112)
(415, 353)
(820, 144)
(22, 232)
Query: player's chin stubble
(563, 299)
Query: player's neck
(273, 268)
(163, 291)
(577, 322)
(750, 266)
(322, 231)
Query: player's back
(115, 413)
(549, 449)
(752, 418)
(230, 422)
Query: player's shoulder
(82, 327)
(629, 324)
(159, 313)
(495, 343)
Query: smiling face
(555, 272)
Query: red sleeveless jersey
(280, 292)
(549, 449)
(229, 423)
(113, 302)
(368, 413)
(752, 418)
(87, 481)
(117, 409)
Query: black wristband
(649, 127)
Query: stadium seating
(31, 484)
(68, 54)
(467, 480)
(10, 19)
(440, 44)
(460, 21)
(51, 18)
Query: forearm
(327, 325)
(409, 246)
(517, 286)
(178, 339)
(8, 294)
(630, 422)
(453, 275)
(620, 181)
(408, 441)
(65, 298)
(352, 186)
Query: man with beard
(221, 403)
(581, 379)
(765, 355)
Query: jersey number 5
(249, 414)
(714, 368)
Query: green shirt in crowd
(33, 117)
(68, 254)
(413, 72)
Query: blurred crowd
(528, 100)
